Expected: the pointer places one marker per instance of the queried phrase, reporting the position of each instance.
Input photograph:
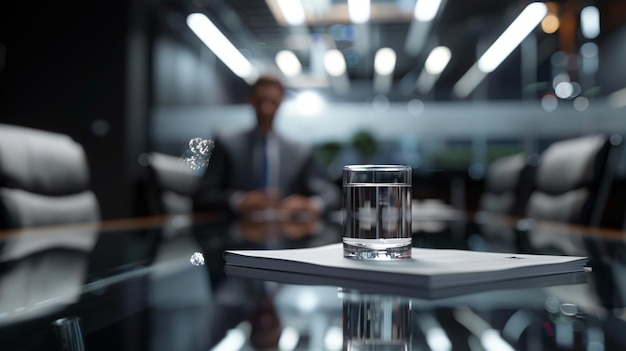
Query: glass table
(130, 285)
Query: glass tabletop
(130, 285)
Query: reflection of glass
(375, 322)
(69, 334)
(377, 205)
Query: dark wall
(613, 56)
(65, 69)
(97, 70)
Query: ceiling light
(212, 37)
(490, 339)
(235, 339)
(589, 55)
(425, 82)
(581, 103)
(437, 60)
(617, 99)
(289, 338)
(549, 103)
(560, 78)
(564, 90)
(589, 50)
(359, 10)
(309, 103)
(590, 22)
(426, 10)
(292, 11)
(333, 338)
(517, 31)
(438, 340)
(288, 63)
(384, 64)
(550, 24)
(435, 63)
(385, 61)
(334, 62)
(468, 82)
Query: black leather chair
(573, 180)
(44, 179)
(171, 185)
(571, 186)
(508, 183)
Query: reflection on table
(42, 272)
(132, 286)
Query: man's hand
(255, 200)
(295, 205)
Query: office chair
(508, 183)
(171, 185)
(573, 180)
(571, 185)
(44, 179)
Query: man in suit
(256, 170)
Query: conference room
(128, 199)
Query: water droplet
(197, 259)
(195, 163)
(201, 147)
(199, 153)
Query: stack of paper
(427, 269)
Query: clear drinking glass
(375, 322)
(377, 212)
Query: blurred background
(380, 81)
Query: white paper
(428, 268)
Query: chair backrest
(573, 179)
(171, 185)
(508, 183)
(44, 179)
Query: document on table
(427, 269)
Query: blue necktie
(262, 171)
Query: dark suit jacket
(231, 169)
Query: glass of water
(375, 322)
(377, 212)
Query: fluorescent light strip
(212, 37)
(426, 10)
(292, 11)
(333, 338)
(438, 340)
(590, 22)
(359, 10)
(492, 341)
(468, 82)
(425, 82)
(235, 339)
(334, 63)
(512, 36)
(517, 31)
(385, 61)
(617, 99)
(437, 60)
(289, 338)
(288, 63)
(436, 337)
